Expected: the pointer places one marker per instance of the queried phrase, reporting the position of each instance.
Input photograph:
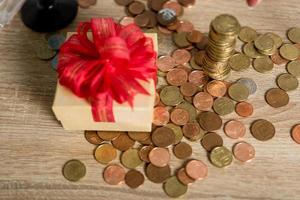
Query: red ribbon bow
(109, 68)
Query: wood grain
(33, 146)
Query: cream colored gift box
(75, 113)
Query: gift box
(108, 109)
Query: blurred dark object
(48, 15)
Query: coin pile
(221, 46)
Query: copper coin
(235, 129)
(105, 153)
(142, 20)
(198, 77)
(86, 3)
(185, 26)
(139, 136)
(157, 99)
(196, 169)
(277, 98)
(181, 56)
(296, 133)
(156, 5)
(165, 63)
(159, 157)
(180, 116)
(262, 130)
(123, 142)
(244, 109)
(134, 178)
(126, 21)
(187, 3)
(163, 137)
(164, 30)
(158, 174)
(243, 151)
(182, 150)
(203, 44)
(183, 177)
(123, 2)
(188, 89)
(203, 101)
(199, 57)
(161, 116)
(109, 135)
(174, 6)
(144, 153)
(177, 77)
(210, 121)
(114, 174)
(92, 137)
(211, 140)
(194, 36)
(136, 8)
(278, 59)
(192, 131)
(185, 68)
(152, 16)
(216, 88)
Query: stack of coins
(221, 46)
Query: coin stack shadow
(221, 46)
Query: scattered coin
(262, 130)
(55, 41)
(287, 82)
(183, 177)
(130, 158)
(181, 56)
(123, 142)
(174, 6)
(194, 36)
(276, 97)
(263, 64)
(211, 140)
(198, 78)
(174, 188)
(163, 137)
(223, 106)
(180, 116)
(243, 151)
(123, 2)
(276, 38)
(277, 59)
(177, 132)
(180, 40)
(185, 26)
(136, 7)
(182, 150)
(139, 136)
(249, 83)
(171, 96)
(114, 174)
(293, 68)
(294, 35)
(238, 92)
(158, 174)
(144, 153)
(239, 62)
(74, 170)
(160, 157)
(86, 3)
(216, 88)
(108, 135)
(43, 51)
(188, 89)
(210, 121)
(235, 129)
(177, 77)
(247, 34)
(296, 133)
(264, 43)
(250, 51)
(126, 21)
(196, 169)
(244, 109)
(221, 157)
(92, 137)
(105, 153)
(165, 63)
(190, 108)
(192, 131)
(134, 178)
(289, 52)
(161, 116)
(203, 101)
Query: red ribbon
(109, 68)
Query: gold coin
(264, 42)
(223, 106)
(131, 158)
(190, 108)
(174, 188)
(239, 62)
(74, 170)
(171, 96)
(221, 157)
(294, 35)
(238, 92)
(177, 132)
(289, 52)
(287, 82)
(105, 153)
(247, 34)
(139, 136)
(250, 51)
(180, 40)
(263, 64)
(293, 68)
(276, 38)
(225, 24)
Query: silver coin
(249, 83)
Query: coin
(123, 142)
(161, 116)
(211, 140)
(163, 137)
(185, 26)
(179, 116)
(225, 24)
(134, 178)
(244, 109)
(144, 153)
(56, 41)
(293, 68)
(289, 52)
(156, 5)
(203, 44)
(158, 174)
(277, 59)
(160, 157)
(296, 133)
(92, 137)
(114, 174)
(177, 77)
(276, 97)
(238, 92)
(131, 159)
(187, 3)
(174, 6)
(86, 3)
(126, 21)
(105, 153)
(74, 170)
(198, 77)
(239, 62)
(182, 150)
(177, 132)
(294, 35)
(276, 38)
(264, 43)
(181, 56)
(221, 157)
(174, 188)
(243, 151)
(287, 82)
(194, 36)
(180, 40)
(262, 130)
(165, 63)
(196, 169)
(192, 131)
(223, 106)
(199, 57)
(139, 136)
(193, 63)
(123, 2)
(108, 135)
(203, 101)
(250, 51)
(183, 177)
(190, 108)
(136, 7)
(247, 34)
(249, 83)
(263, 64)
(171, 96)
(210, 121)
(188, 89)
(235, 129)
(142, 20)
(216, 88)
(166, 16)
(43, 51)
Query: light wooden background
(34, 147)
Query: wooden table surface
(34, 147)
